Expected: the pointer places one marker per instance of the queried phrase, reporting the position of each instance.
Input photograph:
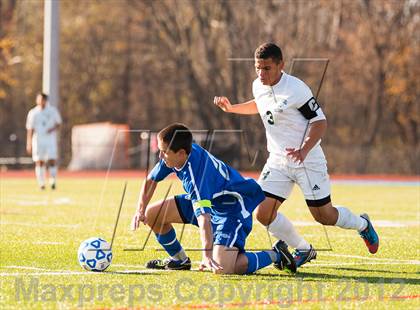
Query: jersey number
(270, 117)
(220, 166)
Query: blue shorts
(230, 231)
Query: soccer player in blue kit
(218, 200)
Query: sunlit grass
(41, 231)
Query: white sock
(348, 220)
(283, 229)
(40, 175)
(181, 255)
(53, 173)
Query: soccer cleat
(169, 264)
(304, 256)
(53, 186)
(369, 235)
(286, 259)
(42, 187)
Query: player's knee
(262, 216)
(151, 215)
(324, 220)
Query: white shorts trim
(236, 235)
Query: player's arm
(55, 127)
(158, 173)
(315, 133)
(146, 193)
(249, 107)
(58, 122)
(29, 134)
(206, 236)
(316, 130)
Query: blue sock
(169, 242)
(257, 260)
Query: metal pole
(50, 76)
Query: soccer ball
(94, 254)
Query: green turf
(41, 231)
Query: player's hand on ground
(223, 103)
(137, 218)
(297, 155)
(209, 263)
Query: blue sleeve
(159, 172)
(201, 192)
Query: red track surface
(141, 174)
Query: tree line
(148, 63)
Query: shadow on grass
(137, 272)
(309, 276)
(370, 270)
(281, 276)
(320, 277)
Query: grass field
(41, 232)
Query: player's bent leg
(266, 211)
(159, 217)
(161, 214)
(342, 217)
(40, 173)
(278, 225)
(277, 185)
(234, 262)
(250, 262)
(324, 214)
(226, 258)
(52, 169)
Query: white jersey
(40, 121)
(285, 109)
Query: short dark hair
(177, 136)
(269, 50)
(43, 95)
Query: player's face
(41, 101)
(172, 159)
(268, 71)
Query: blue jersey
(213, 186)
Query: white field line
(49, 242)
(378, 223)
(40, 225)
(69, 272)
(40, 202)
(408, 261)
(128, 266)
(49, 273)
(359, 264)
(146, 271)
(379, 261)
(23, 267)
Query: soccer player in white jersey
(42, 124)
(294, 124)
